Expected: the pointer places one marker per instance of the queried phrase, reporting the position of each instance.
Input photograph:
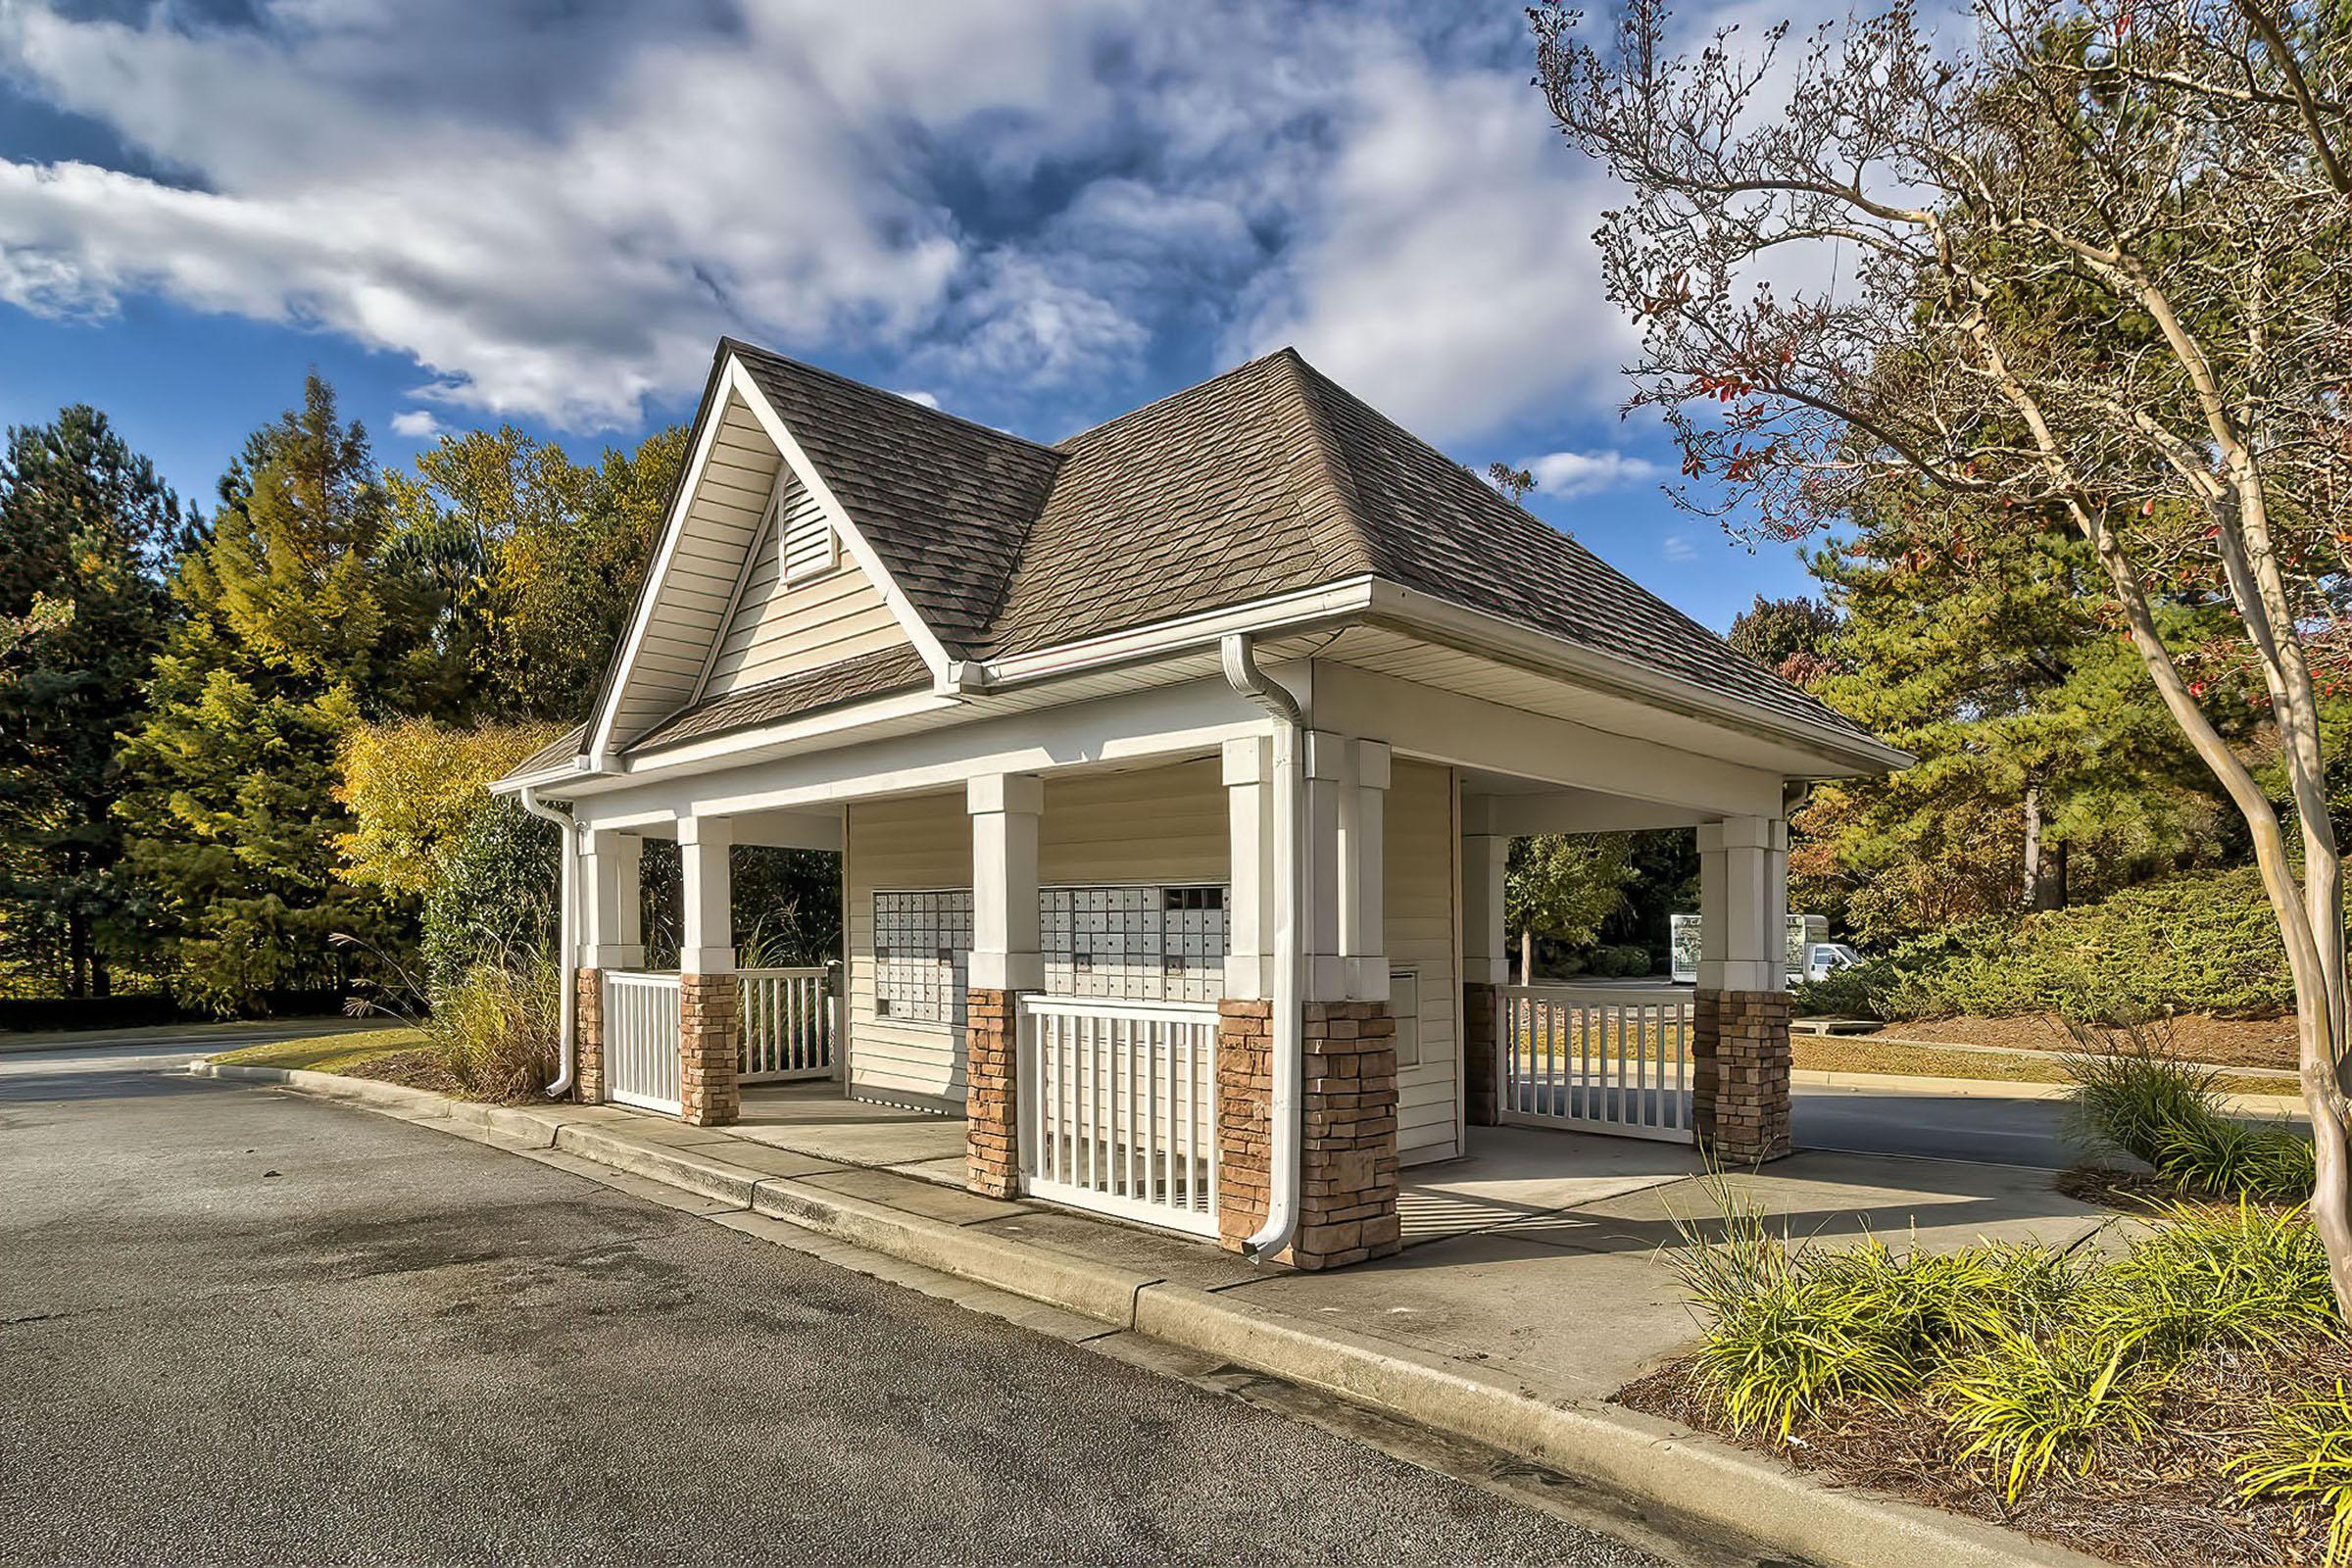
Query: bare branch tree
(2089, 270)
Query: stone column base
(708, 1093)
(1481, 1093)
(1348, 1159)
(992, 1138)
(1740, 1086)
(588, 1038)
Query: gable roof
(944, 502)
(1268, 479)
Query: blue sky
(1039, 212)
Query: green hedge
(2203, 943)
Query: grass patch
(1829, 1054)
(326, 1052)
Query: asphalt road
(238, 1326)
(1993, 1131)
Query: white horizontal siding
(1418, 849)
(720, 525)
(1162, 824)
(921, 841)
(783, 628)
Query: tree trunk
(78, 956)
(1527, 955)
(2050, 891)
(2029, 883)
(102, 977)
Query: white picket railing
(641, 1040)
(784, 1025)
(1612, 1061)
(1118, 1108)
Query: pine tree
(83, 522)
(283, 644)
(2048, 769)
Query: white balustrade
(1612, 1061)
(784, 1025)
(641, 1040)
(1118, 1108)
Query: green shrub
(2233, 1159)
(2202, 1276)
(2305, 1452)
(493, 888)
(2033, 1404)
(2203, 943)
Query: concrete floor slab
(1513, 1173)
(1943, 1205)
(949, 1170)
(1595, 1320)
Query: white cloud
(1678, 548)
(415, 425)
(556, 210)
(929, 400)
(1566, 474)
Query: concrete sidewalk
(1534, 1283)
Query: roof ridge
(855, 385)
(1061, 447)
(1338, 471)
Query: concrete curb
(1903, 1083)
(1683, 1473)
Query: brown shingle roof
(892, 669)
(1268, 479)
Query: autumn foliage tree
(2087, 271)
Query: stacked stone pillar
(1486, 966)
(1482, 1090)
(1739, 1038)
(1348, 1175)
(1006, 960)
(991, 1154)
(588, 1039)
(709, 1093)
(1740, 1076)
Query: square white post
(1324, 909)
(611, 935)
(1744, 904)
(1485, 952)
(1249, 905)
(1363, 873)
(1007, 952)
(707, 946)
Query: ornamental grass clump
(2132, 1098)
(497, 1028)
(2031, 1405)
(2248, 1276)
(2304, 1453)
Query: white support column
(1363, 873)
(610, 937)
(1485, 935)
(1324, 909)
(1743, 903)
(707, 946)
(1249, 905)
(1005, 947)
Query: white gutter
(568, 1034)
(1285, 1133)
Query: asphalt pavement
(1987, 1129)
(241, 1326)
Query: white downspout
(566, 940)
(1282, 1176)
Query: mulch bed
(2195, 1037)
(412, 1069)
(2166, 1503)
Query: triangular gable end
(697, 628)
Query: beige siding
(1163, 824)
(1418, 851)
(722, 520)
(925, 842)
(780, 629)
